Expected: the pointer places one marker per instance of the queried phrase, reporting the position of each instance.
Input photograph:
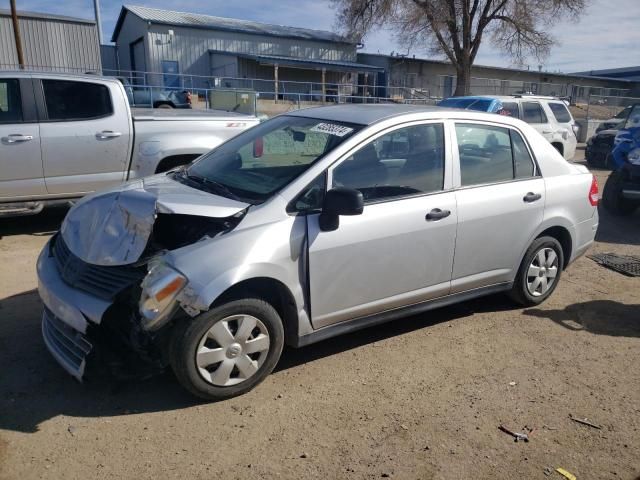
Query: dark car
(154, 97)
(597, 153)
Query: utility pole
(96, 8)
(16, 33)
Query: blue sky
(607, 35)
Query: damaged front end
(107, 287)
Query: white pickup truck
(62, 136)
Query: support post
(16, 34)
(324, 85)
(96, 9)
(365, 89)
(275, 76)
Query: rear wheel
(539, 272)
(228, 350)
(612, 198)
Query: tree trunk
(463, 78)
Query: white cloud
(606, 37)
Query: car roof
(473, 97)
(62, 76)
(370, 114)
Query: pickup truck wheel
(164, 106)
(228, 350)
(539, 272)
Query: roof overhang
(305, 63)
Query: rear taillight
(593, 192)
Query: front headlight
(159, 291)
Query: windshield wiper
(212, 185)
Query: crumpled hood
(113, 227)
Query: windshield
(481, 105)
(262, 160)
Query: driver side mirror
(339, 201)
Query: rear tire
(612, 198)
(539, 272)
(217, 355)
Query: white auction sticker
(331, 129)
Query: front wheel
(228, 350)
(612, 198)
(539, 272)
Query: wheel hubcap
(232, 350)
(542, 272)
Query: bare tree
(457, 28)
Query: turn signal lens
(593, 192)
(172, 287)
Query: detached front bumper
(68, 346)
(67, 315)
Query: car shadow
(601, 317)
(618, 229)
(44, 223)
(35, 389)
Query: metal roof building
(51, 42)
(228, 50)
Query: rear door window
(560, 112)
(10, 102)
(532, 113)
(69, 101)
(491, 154)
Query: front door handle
(532, 197)
(17, 138)
(437, 214)
(107, 134)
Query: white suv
(549, 116)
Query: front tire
(539, 272)
(612, 198)
(228, 350)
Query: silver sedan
(307, 226)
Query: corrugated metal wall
(190, 47)
(110, 64)
(51, 44)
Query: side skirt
(383, 317)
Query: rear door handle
(107, 134)
(532, 197)
(17, 138)
(437, 214)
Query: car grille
(68, 346)
(103, 282)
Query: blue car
(478, 103)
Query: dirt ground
(420, 398)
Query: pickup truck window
(262, 160)
(10, 103)
(69, 101)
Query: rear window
(560, 112)
(68, 100)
